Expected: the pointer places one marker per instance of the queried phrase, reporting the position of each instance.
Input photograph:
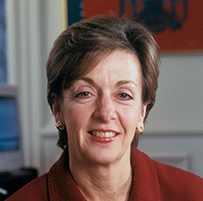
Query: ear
(56, 108)
(142, 116)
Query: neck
(103, 182)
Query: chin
(107, 157)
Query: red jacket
(153, 181)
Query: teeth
(103, 134)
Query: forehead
(119, 64)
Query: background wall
(174, 129)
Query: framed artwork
(175, 24)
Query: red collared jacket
(153, 181)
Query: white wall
(180, 95)
(32, 28)
(174, 129)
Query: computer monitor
(11, 154)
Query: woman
(102, 80)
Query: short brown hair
(84, 44)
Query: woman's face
(102, 110)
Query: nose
(105, 109)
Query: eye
(83, 94)
(125, 96)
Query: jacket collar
(145, 185)
(61, 185)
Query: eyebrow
(122, 82)
(119, 83)
(89, 80)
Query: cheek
(129, 119)
(76, 117)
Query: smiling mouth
(103, 134)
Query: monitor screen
(11, 153)
(9, 131)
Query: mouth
(103, 134)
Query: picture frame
(182, 31)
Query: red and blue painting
(175, 24)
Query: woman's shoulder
(173, 183)
(35, 190)
(168, 172)
(178, 183)
(165, 171)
